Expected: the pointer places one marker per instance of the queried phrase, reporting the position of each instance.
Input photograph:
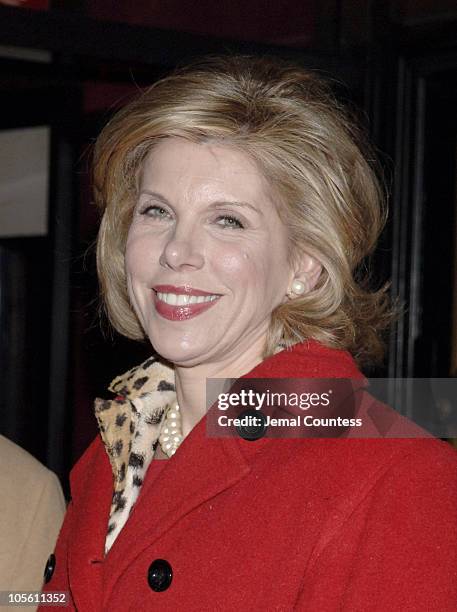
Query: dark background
(71, 64)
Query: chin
(185, 354)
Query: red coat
(293, 524)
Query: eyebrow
(216, 204)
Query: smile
(182, 306)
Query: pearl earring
(298, 287)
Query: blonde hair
(315, 159)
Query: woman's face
(205, 227)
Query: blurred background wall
(66, 66)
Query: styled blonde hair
(316, 161)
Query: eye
(155, 211)
(229, 221)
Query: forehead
(176, 164)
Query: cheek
(232, 262)
(270, 272)
(235, 266)
(245, 270)
(138, 256)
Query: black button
(254, 424)
(160, 575)
(49, 568)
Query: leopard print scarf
(130, 426)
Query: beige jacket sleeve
(32, 507)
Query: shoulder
(424, 469)
(348, 471)
(408, 478)
(21, 471)
(387, 485)
(13, 456)
(399, 461)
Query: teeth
(181, 300)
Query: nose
(181, 251)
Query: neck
(191, 383)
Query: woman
(238, 207)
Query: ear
(306, 270)
(309, 270)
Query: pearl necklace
(171, 433)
